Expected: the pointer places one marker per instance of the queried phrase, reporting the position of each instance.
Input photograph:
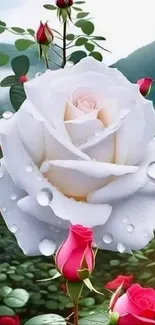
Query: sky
(126, 24)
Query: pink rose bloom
(136, 306)
(76, 254)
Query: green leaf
(17, 298)
(81, 41)
(98, 56)
(4, 310)
(95, 319)
(3, 277)
(23, 44)
(82, 15)
(89, 47)
(46, 319)
(99, 38)
(20, 65)
(2, 23)
(70, 37)
(50, 7)
(80, 23)
(4, 291)
(2, 29)
(77, 56)
(88, 28)
(18, 30)
(17, 95)
(87, 302)
(4, 59)
(9, 81)
(31, 31)
(79, 2)
(77, 8)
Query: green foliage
(90, 47)
(96, 55)
(50, 7)
(23, 44)
(4, 59)
(88, 28)
(70, 37)
(46, 320)
(77, 56)
(9, 81)
(4, 310)
(81, 41)
(18, 30)
(16, 298)
(99, 319)
(20, 65)
(17, 95)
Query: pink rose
(145, 85)
(136, 306)
(75, 257)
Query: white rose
(80, 150)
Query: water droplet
(45, 167)
(130, 228)
(45, 197)
(121, 248)
(4, 209)
(145, 235)
(1, 173)
(39, 177)
(107, 239)
(29, 168)
(57, 230)
(13, 196)
(13, 228)
(47, 247)
(125, 219)
(38, 74)
(151, 170)
(7, 115)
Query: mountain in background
(139, 64)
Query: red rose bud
(75, 258)
(9, 320)
(23, 79)
(44, 35)
(64, 3)
(145, 85)
(125, 280)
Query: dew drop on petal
(125, 219)
(39, 177)
(7, 115)
(151, 170)
(13, 196)
(45, 167)
(1, 173)
(4, 209)
(47, 247)
(107, 239)
(38, 74)
(121, 248)
(29, 168)
(13, 228)
(45, 196)
(130, 228)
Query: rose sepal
(114, 297)
(90, 287)
(57, 275)
(64, 14)
(113, 318)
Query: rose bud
(23, 79)
(136, 306)
(44, 35)
(145, 85)
(75, 258)
(9, 320)
(125, 280)
(64, 3)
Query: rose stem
(76, 322)
(64, 43)
(46, 62)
